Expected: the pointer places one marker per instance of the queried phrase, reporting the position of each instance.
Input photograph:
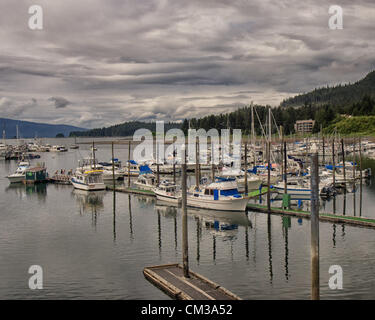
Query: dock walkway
(329, 217)
(170, 279)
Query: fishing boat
(222, 194)
(146, 179)
(132, 168)
(88, 180)
(20, 173)
(169, 192)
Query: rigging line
(260, 123)
(277, 128)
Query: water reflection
(269, 237)
(90, 202)
(130, 218)
(37, 190)
(286, 222)
(222, 224)
(114, 216)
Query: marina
(248, 243)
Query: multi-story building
(304, 126)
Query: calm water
(95, 245)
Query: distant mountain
(341, 95)
(124, 129)
(28, 129)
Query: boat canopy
(144, 169)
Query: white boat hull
(144, 186)
(88, 187)
(295, 192)
(166, 198)
(224, 204)
(16, 178)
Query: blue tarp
(230, 192)
(144, 169)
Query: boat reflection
(38, 190)
(222, 224)
(90, 202)
(145, 202)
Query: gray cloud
(164, 59)
(60, 102)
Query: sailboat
(75, 145)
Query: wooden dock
(132, 190)
(327, 217)
(170, 279)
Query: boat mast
(269, 124)
(253, 132)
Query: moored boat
(167, 191)
(222, 194)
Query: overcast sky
(98, 63)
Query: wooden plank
(325, 217)
(133, 191)
(170, 278)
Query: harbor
(250, 253)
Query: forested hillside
(341, 95)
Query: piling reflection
(286, 222)
(114, 216)
(269, 237)
(130, 218)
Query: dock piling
(314, 246)
(185, 248)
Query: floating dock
(132, 190)
(329, 217)
(170, 279)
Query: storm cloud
(122, 60)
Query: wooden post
(157, 165)
(246, 186)
(314, 246)
(269, 176)
(354, 162)
(113, 169)
(282, 153)
(333, 163)
(196, 166)
(185, 248)
(360, 177)
(212, 163)
(93, 154)
(285, 170)
(129, 146)
(174, 166)
(324, 151)
(343, 161)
